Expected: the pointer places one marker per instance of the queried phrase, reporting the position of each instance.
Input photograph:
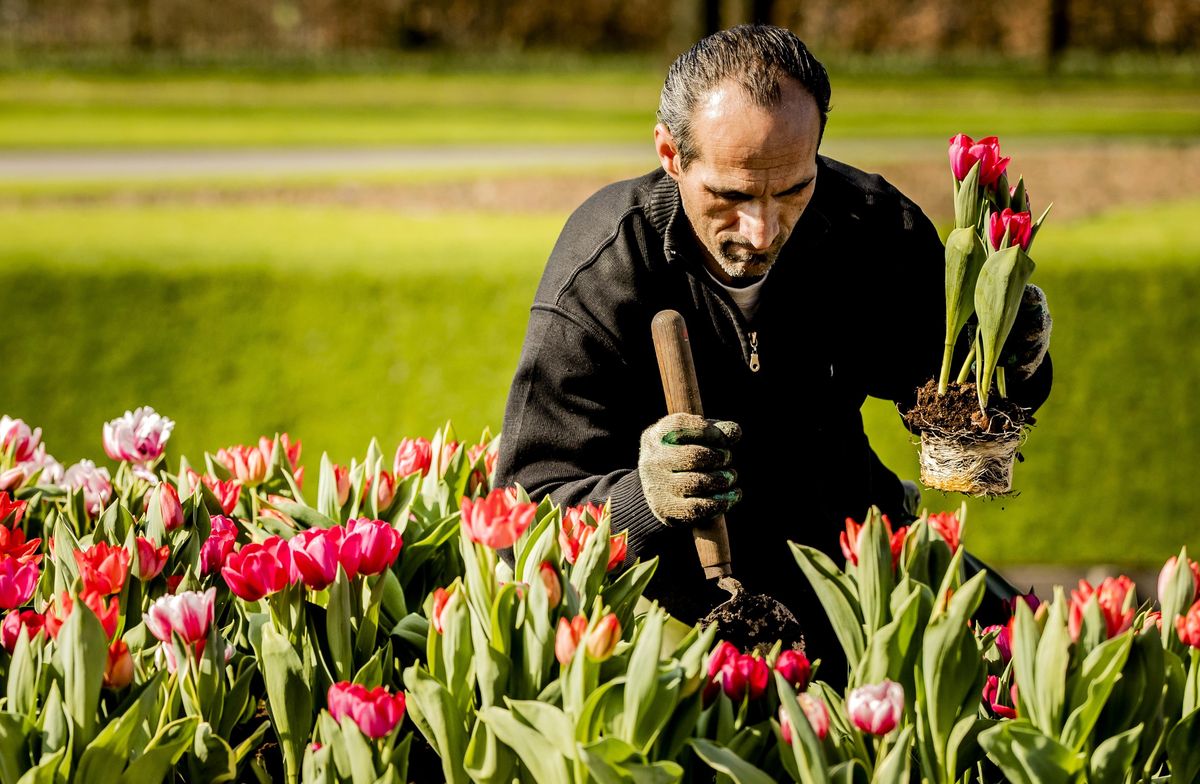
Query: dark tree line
(1034, 28)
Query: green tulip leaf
(837, 597)
(1028, 757)
(998, 292)
(725, 761)
(1113, 758)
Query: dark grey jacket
(854, 306)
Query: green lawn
(67, 110)
(342, 324)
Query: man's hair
(755, 57)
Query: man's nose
(759, 224)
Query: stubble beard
(743, 264)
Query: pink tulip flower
(964, 153)
(16, 437)
(376, 712)
(258, 570)
(95, 483)
(414, 455)
(496, 520)
(219, 544)
(379, 544)
(151, 559)
(1165, 576)
(169, 506)
(795, 667)
(246, 463)
(814, 710)
(17, 581)
(30, 620)
(315, 555)
(138, 437)
(1003, 641)
(188, 615)
(877, 708)
(1112, 597)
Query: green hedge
(340, 324)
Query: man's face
(753, 175)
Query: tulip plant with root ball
(217, 626)
(987, 260)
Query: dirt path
(1080, 178)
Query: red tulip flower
(1019, 226)
(948, 527)
(258, 570)
(567, 637)
(576, 531)
(991, 699)
(14, 545)
(550, 579)
(849, 540)
(965, 153)
(14, 621)
(108, 611)
(103, 568)
(1188, 626)
(376, 712)
(496, 520)
(441, 597)
(1111, 595)
(795, 668)
(10, 508)
(118, 670)
(737, 674)
(603, 638)
(151, 559)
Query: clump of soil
(957, 413)
(754, 622)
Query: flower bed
(216, 623)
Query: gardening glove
(1030, 336)
(684, 467)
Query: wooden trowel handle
(682, 392)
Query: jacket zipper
(754, 362)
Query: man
(806, 285)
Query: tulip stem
(944, 376)
(1001, 384)
(966, 366)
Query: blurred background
(328, 217)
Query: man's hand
(1030, 336)
(684, 467)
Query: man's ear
(668, 151)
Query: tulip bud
(341, 476)
(441, 597)
(567, 637)
(1167, 575)
(552, 582)
(118, 671)
(876, 708)
(795, 668)
(604, 638)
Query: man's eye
(732, 195)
